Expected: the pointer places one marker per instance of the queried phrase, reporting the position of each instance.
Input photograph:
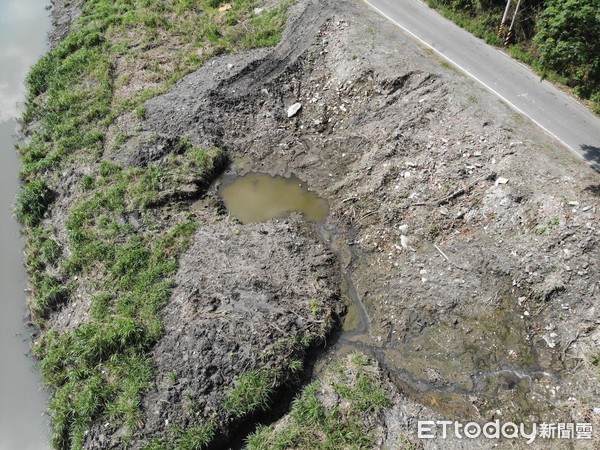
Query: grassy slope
(346, 424)
(99, 370)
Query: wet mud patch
(258, 197)
(248, 298)
(475, 366)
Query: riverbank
(169, 325)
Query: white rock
(549, 341)
(404, 241)
(501, 180)
(293, 110)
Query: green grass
(99, 370)
(195, 437)
(32, 202)
(252, 392)
(310, 424)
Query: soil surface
(469, 238)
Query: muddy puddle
(258, 197)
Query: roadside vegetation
(110, 247)
(345, 423)
(560, 39)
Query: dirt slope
(471, 237)
(478, 309)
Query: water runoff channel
(24, 25)
(258, 197)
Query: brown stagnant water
(23, 425)
(258, 197)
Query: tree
(568, 40)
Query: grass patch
(80, 87)
(310, 424)
(252, 392)
(195, 437)
(32, 202)
(118, 250)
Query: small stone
(501, 180)
(293, 110)
(404, 242)
(549, 341)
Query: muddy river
(23, 424)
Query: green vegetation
(195, 437)
(479, 18)
(115, 255)
(552, 223)
(311, 424)
(559, 38)
(568, 41)
(33, 202)
(252, 392)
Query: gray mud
(462, 277)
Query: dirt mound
(469, 239)
(460, 214)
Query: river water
(23, 423)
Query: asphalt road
(557, 113)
